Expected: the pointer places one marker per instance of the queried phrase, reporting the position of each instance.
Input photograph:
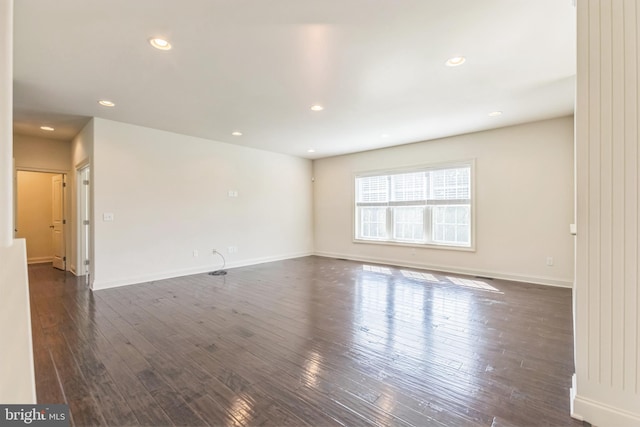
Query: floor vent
(217, 273)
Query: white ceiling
(256, 66)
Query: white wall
(606, 388)
(169, 196)
(6, 123)
(17, 380)
(42, 154)
(524, 202)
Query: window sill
(416, 245)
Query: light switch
(573, 229)
(107, 216)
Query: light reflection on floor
(241, 410)
(312, 369)
(429, 277)
(377, 269)
(418, 275)
(416, 315)
(475, 284)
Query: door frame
(84, 233)
(66, 208)
(58, 182)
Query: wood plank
(304, 342)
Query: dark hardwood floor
(305, 342)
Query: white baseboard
(572, 397)
(98, 284)
(39, 260)
(549, 281)
(133, 280)
(601, 414)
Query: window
(430, 206)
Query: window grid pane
(373, 189)
(450, 184)
(373, 223)
(408, 224)
(451, 224)
(408, 187)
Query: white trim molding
(39, 260)
(145, 278)
(548, 281)
(600, 414)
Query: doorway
(40, 218)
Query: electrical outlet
(195, 252)
(214, 251)
(233, 249)
(549, 261)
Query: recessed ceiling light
(384, 135)
(47, 128)
(495, 113)
(106, 103)
(317, 107)
(236, 133)
(311, 150)
(455, 61)
(159, 43)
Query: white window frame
(427, 221)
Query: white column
(6, 123)
(606, 388)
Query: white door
(57, 222)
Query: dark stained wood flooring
(305, 342)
